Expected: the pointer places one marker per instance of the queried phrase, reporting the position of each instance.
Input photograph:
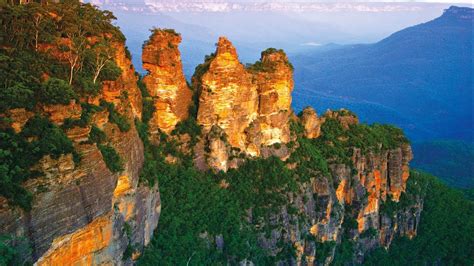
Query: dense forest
(196, 206)
(450, 160)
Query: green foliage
(437, 242)
(155, 31)
(110, 72)
(452, 161)
(14, 168)
(85, 86)
(188, 126)
(87, 111)
(17, 155)
(50, 139)
(16, 96)
(344, 252)
(25, 62)
(96, 135)
(195, 204)
(323, 250)
(369, 233)
(469, 193)
(148, 104)
(260, 66)
(142, 129)
(56, 91)
(201, 69)
(198, 206)
(116, 118)
(14, 250)
(111, 158)
(336, 144)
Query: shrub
(111, 158)
(16, 96)
(96, 135)
(369, 233)
(110, 72)
(17, 155)
(50, 139)
(56, 91)
(116, 118)
(86, 87)
(190, 127)
(14, 250)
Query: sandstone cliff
(165, 80)
(82, 213)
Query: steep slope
(436, 241)
(71, 155)
(419, 78)
(283, 188)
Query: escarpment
(282, 188)
(84, 205)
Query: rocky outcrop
(349, 204)
(228, 97)
(273, 75)
(252, 105)
(82, 213)
(165, 80)
(311, 123)
(356, 194)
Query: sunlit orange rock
(78, 248)
(311, 123)
(58, 113)
(165, 80)
(19, 117)
(228, 98)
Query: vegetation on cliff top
(202, 209)
(50, 54)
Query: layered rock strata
(82, 213)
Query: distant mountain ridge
(419, 78)
(253, 5)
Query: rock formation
(228, 97)
(252, 105)
(165, 80)
(249, 109)
(81, 210)
(311, 123)
(85, 214)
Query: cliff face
(165, 80)
(349, 204)
(82, 213)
